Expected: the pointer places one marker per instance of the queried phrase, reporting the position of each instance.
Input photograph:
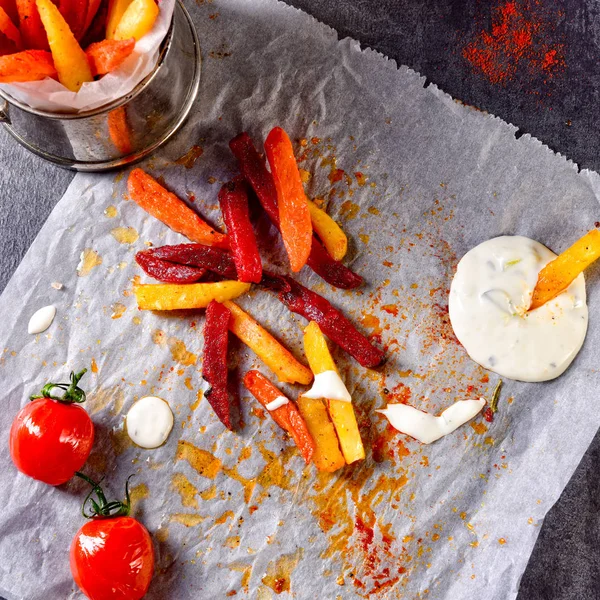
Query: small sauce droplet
(110, 211)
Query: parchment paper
(53, 96)
(425, 179)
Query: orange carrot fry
(294, 215)
(119, 131)
(108, 55)
(173, 212)
(286, 416)
(30, 23)
(9, 29)
(29, 65)
(10, 8)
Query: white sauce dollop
(328, 385)
(41, 319)
(488, 303)
(149, 422)
(427, 428)
(277, 403)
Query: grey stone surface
(565, 564)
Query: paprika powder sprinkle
(517, 42)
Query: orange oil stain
(187, 519)
(392, 309)
(232, 542)
(188, 160)
(478, 427)
(336, 175)
(88, 260)
(364, 238)
(349, 210)
(203, 462)
(373, 210)
(125, 235)
(137, 494)
(186, 490)
(179, 352)
(279, 571)
(94, 366)
(305, 175)
(110, 212)
(209, 493)
(361, 178)
(194, 405)
(228, 514)
(373, 323)
(188, 383)
(118, 310)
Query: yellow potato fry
(316, 350)
(558, 275)
(327, 455)
(341, 412)
(344, 421)
(70, 60)
(116, 10)
(329, 232)
(137, 20)
(277, 357)
(176, 296)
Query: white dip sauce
(149, 422)
(488, 303)
(41, 319)
(428, 428)
(328, 385)
(277, 403)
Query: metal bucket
(127, 129)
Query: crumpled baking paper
(416, 179)
(50, 95)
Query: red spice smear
(518, 42)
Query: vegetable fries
(340, 411)
(137, 20)
(29, 65)
(59, 26)
(253, 168)
(276, 356)
(173, 296)
(69, 59)
(214, 366)
(327, 455)
(108, 55)
(286, 416)
(173, 212)
(558, 275)
(330, 233)
(294, 216)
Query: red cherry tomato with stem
(112, 557)
(51, 437)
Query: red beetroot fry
(331, 270)
(198, 255)
(332, 322)
(214, 367)
(253, 168)
(233, 198)
(167, 272)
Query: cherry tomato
(50, 440)
(51, 437)
(112, 559)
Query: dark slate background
(561, 110)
